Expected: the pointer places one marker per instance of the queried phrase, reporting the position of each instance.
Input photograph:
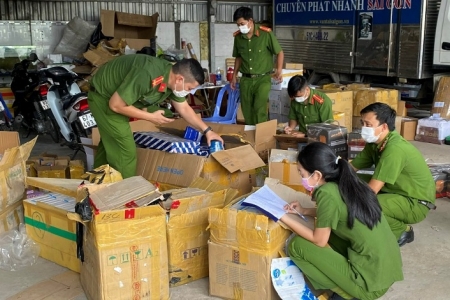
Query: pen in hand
(301, 216)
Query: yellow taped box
(125, 253)
(366, 96)
(12, 168)
(342, 102)
(11, 217)
(187, 234)
(241, 247)
(286, 170)
(54, 232)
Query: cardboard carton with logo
(187, 234)
(242, 246)
(13, 157)
(125, 250)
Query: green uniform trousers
(328, 269)
(400, 211)
(117, 147)
(254, 94)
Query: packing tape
(4, 187)
(238, 293)
(286, 172)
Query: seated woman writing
(364, 258)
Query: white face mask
(244, 29)
(183, 93)
(368, 134)
(300, 99)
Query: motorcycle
(31, 109)
(5, 116)
(66, 100)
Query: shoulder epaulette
(264, 28)
(317, 98)
(236, 33)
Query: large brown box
(441, 103)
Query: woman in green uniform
(364, 258)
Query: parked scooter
(31, 109)
(65, 100)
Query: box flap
(242, 159)
(288, 138)
(134, 20)
(107, 18)
(63, 186)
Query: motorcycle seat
(58, 74)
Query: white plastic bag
(17, 250)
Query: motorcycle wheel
(52, 128)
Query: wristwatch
(207, 130)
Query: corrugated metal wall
(169, 11)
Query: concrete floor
(426, 261)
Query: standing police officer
(254, 47)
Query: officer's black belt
(254, 75)
(429, 205)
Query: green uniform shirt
(373, 254)
(139, 79)
(400, 165)
(256, 52)
(316, 109)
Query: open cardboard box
(135, 28)
(233, 167)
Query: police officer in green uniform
(254, 47)
(352, 250)
(402, 179)
(124, 88)
(308, 106)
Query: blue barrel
(215, 146)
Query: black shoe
(406, 237)
(336, 296)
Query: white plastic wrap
(75, 39)
(290, 156)
(17, 250)
(442, 125)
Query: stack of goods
(433, 130)
(52, 166)
(333, 135)
(441, 175)
(355, 144)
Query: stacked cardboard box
(52, 166)
(441, 102)
(242, 246)
(333, 135)
(12, 178)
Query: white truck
(400, 43)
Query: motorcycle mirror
(33, 57)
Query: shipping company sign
(344, 12)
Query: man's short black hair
(296, 84)
(190, 69)
(243, 12)
(383, 112)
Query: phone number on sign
(317, 36)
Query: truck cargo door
(376, 38)
(442, 45)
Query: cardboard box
(233, 167)
(89, 150)
(441, 102)
(329, 134)
(401, 108)
(49, 226)
(11, 217)
(136, 29)
(432, 130)
(408, 128)
(13, 159)
(357, 86)
(333, 86)
(286, 74)
(125, 253)
(288, 142)
(76, 169)
(240, 115)
(187, 234)
(283, 166)
(342, 102)
(364, 97)
(293, 66)
(242, 246)
(340, 118)
(355, 144)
